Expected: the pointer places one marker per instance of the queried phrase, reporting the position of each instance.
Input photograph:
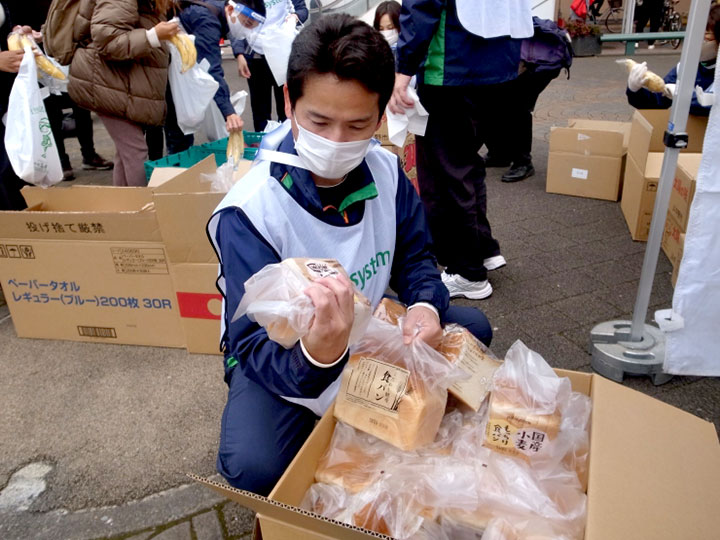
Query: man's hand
(233, 123)
(425, 321)
(243, 68)
(400, 100)
(293, 16)
(10, 61)
(334, 316)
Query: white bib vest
(495, 18)
(365, 249)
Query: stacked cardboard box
(587, 158)
(407, 154)
(678, 214)
(652, 474)
(644, 164)
(89, 264)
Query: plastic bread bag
(376, 508)
(522, 529)
(460, 347)
(354, 460)
(390, 311)
(509, 487)
(221, 181)
(394, 391)
(651, 81)
(275, 299)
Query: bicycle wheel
(675, 26)
(614, 20)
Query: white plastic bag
(29, 140)
(192, 91)
(277, 42)
(214, 124)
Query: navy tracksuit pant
(261, 432)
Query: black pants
(511, 139)
(650, 10)
(451, 175)
(54, 106)
(10, 183)
(262, 90)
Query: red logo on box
(199, 305)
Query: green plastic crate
(195, 154)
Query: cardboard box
(184, 204)
(639, 189)
(586, 159)
(673, 241)
(684, 189)
(88, 264)
(200, 306)
(653, 473)
(645, 155)
(407, 154)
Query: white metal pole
(628, 16)
(689, 59)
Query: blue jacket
(240, 46)
(209, 29)
(434, 45)
(645, 99)
(414, 275)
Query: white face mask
(390, 35)
(326, 158)
(708, 51)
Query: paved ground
(98, 438)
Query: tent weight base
(614, 355)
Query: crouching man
(322, 187)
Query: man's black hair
(713, 24)
(347, 48)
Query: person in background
(648, 10)
(387, 22)
(250, 58)
(461, 78)
(120, 71)
(33, 14)
(329, 192)
(642, 98)
(10, 184)
(207, 21)
(543, 57)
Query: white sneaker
(651, 47)
(459, 286)
(493, 263)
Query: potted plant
(585, 38)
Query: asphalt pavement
(97, 439)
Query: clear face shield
(245, 23)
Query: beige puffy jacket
(115, 70)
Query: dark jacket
(435, 46)
(6, 79)
(645, 99)
(115, 70)
(209, 27)
(414, 275)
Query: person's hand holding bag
(330, 328)
(425, 322)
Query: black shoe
(96, 163)
(68, 174)
(492, 161)
(519, 172)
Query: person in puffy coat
(120, 71)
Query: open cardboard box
(587, 158)
(184, 204)
(644, 163)
(87, 263)
(654, 472)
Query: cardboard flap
(289, 514)
(586, 142)
(654, 469)
(190, 181)
(605, 125)
(88, 198)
